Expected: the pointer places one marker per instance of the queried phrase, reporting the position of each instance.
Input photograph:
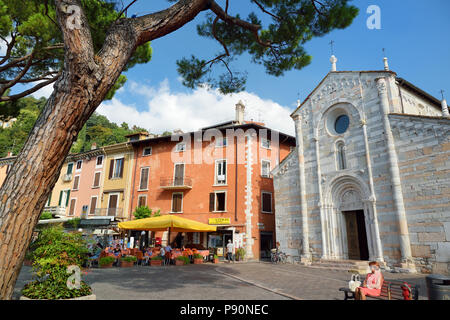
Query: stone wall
(423, 147)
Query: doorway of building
(266, 244)
(358, 248)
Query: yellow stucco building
(115, 197)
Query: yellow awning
(162, 223)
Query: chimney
(94, 146)
(333, 61)
(9, 154)
(240, 108)
(386, 64)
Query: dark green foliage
(106, 260)
(280, 46)
(145, 212)
(45, 215)
(128, 258)
(198, 256)
(240, 254)
(52, 253)
(157, 258)
(184, 259)
(72, 223)
(26, 111)
(38, 31)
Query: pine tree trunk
(84, 82)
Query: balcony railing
(67, 177)
(109, 212)
(59, 211)
(176, 183)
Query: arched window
(340, 156)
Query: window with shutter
(144, 179)
(179, 174)
(70, 168)
(72, 207)
(142, 201)
(97, 180)
(265, 168)
(220, 201)
(121, 167)
(221, 172)
(99, 161)
(266, 202)
(177, 199)
(93, 205)
(76, 182)
(212, 198)
(111, 169)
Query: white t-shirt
(230, 247)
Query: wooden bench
(390, 290)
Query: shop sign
(219, 221)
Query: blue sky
(415, 34)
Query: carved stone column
(399, 206)
(306, 253)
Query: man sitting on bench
(373, 283)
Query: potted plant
(127, 261)
(181, 261)
(54, 253)
(240, 254)
(106, 262)
(216, 258)
(198, 258)
(156, 261)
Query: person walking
(230, 251)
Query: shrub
(198, 256)
(72, 223)
(216, 256)
(184, 259)
(157, 258)
(240, 254)
(46, 215)
(52, 253)
(106, 260)
(128, 258)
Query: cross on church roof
(332, 48)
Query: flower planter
(198, 261)
(216, 260)
(179, 262)
(126, 264)
(155, 263)
(90, 297)
(107, 265)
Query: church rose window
(341, 124)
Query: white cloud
(168, 110)
(43, 92)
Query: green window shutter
(69, 168)
(49, 199)
(68, 197)
(60, 198)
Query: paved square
(240, 281)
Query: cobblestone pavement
(240, 281)
(309, 283)
(192, 282)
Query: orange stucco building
(219, 175)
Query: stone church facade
(369, 178)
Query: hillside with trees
(98, 129)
